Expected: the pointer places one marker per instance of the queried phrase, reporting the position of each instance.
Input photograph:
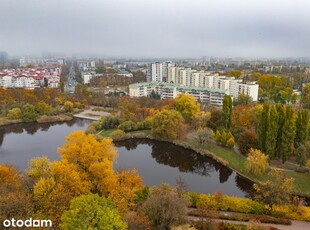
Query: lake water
(157, 162)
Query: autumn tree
(243, 99)
(91, 212)
(68, 106)
(227, 111)
(247, 140)
(39, 168)
(93, 159)
(124, 192)
(201, 119)
(281, 113)
(301, 157)
(165, 207)
(43, 108)
(276, 190)
(167, 125)
(202, 137)
(187, 106)
(256, 162)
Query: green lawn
(106, 133)
(237, 162)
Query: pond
(157, 162)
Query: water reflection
(21, 142)
(202, 173)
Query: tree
(165, 207)
(276, 190)
(201, 119)
(187, 106)
(118, 134)
(235, 73)
(272, 131)
(302, 127)
(15, 114)
(227, 111)
(263, 127)
(305, 96)
(281, 113)
(230, 142)
(43, 108)
(124, 193)
(247, 140)
(29, 112)
(92, 212)
(288, 134)
(68, 106)
(243, 99)
(39, 168)
(202, 137)
(301, 157)
(256, 162)
(128, 126)
(167, 125)
(93, 159)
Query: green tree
(243, 99)
(118, 134)
(29, 112)
(227, 111)
(263, 127)
(128, 126)
(276, 190)
(301, 157)
(187, 106)
(92, 212)
(43, 108)
(281, 113)
(15, 114)
(272, 131)
(305, 96)
(302, 127)
(256, 162)
(167, 125)
(288, 134)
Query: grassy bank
(56, 118)
(4, 121)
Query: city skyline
(163, 29)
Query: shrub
(247, 140)
(15, 114)
(230, 143)
(118, 134)
(68, 106)
(109, 122)
(128, 126)
(29, 113)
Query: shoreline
(201, 152)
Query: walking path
(91, 115)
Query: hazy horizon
(157, 28)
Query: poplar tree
(302, 128)
(227, 111)
(262, 127)
(272, 132)
(288, 134)
(281, 114)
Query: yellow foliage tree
(256, 162)
(187, 106)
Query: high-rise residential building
(3, 57)
(158, 71)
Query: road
(71, 82)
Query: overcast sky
(157, 28)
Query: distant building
(3, 57)
(124, 73)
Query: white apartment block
(158, 71)
(170, 90)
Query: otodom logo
(29, 223)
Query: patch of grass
(301, 182)
(106, 133)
